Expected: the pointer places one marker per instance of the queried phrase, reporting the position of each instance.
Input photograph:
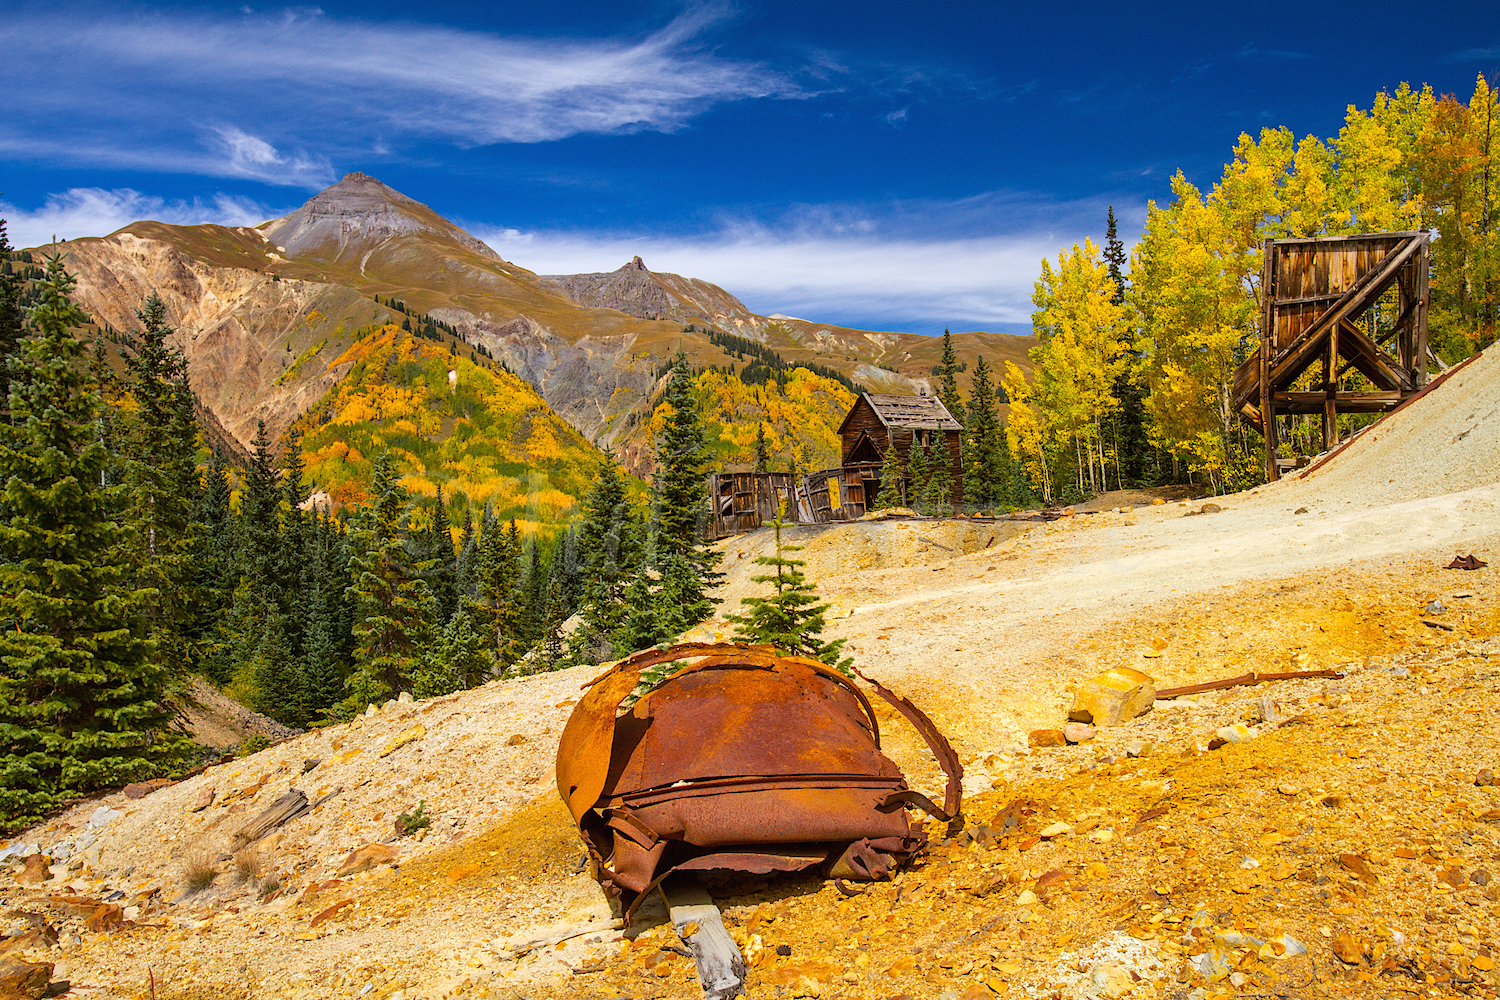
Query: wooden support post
(1330, 386)
(1419, 321)
(1267, 318)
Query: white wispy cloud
(911, 266)
(83, 212)
(229, 94)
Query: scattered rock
(1237, 733)
(409, 736)
(1026, 898)
(1109, 979)
(516, 740)
(404, 698)
(367, 856)
(25, 980)
(310, 763)
(1300, 510)
(1079, 732)
(1435, 608)
(35, 872)
(1210, 508)
(103, 816)
(141, 789)
(205, 799)
(1113, 697)
(1047, 738)
(1056, 829)
(1347, 949)
(1479, 877)
(1140, 748)
(1484, 777)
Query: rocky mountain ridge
(249, 303)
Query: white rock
(404, 698)
(103, 816)
(1237, 733)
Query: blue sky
(874, 164)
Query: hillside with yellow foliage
(479, 432)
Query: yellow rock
(1026, 898)
(409, 736)
(1055, 829)
(1009, 968)
(1113, 697)
(1483, 963)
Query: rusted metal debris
(1466, 562)
(745, 760)
(1253, 677)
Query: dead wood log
(283, 810)
(1244, 680)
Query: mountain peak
(636, 264)
(356, 215)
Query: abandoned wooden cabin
(879, 421)
(1336, 302)
(743, 501)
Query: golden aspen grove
(1413, 160)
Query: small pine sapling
(791, 619)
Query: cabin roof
(924, 412)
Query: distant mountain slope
(249, 303)
(484, 436)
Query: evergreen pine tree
(980, 432)
(762, 451)
(162, 477)
(892, 478)
(467, 565)
(791, 618)
(550, 650)
(498, 610)
(917, 472)
(11, 321)
(948, 380)
(432, 547)
(534, 592)
(393, 618)
(458, 660)
(260, 509)
(279, 690)
(682, 459)
(82, 693)
(939, 488)
(211, 563)
(609, 553)
(1114, 256)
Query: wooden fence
(743, 501)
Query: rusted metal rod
(1244, 680)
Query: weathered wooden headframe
(1313, 293)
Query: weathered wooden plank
(721, 967)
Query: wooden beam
(1419, 325)
(695, 918)
(1330, 387)
(1390, 369)
(1267, 331)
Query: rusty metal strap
(936, 741)
(907, 797)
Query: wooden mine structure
(879, 421)
(743, 501)
(1325, 301)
